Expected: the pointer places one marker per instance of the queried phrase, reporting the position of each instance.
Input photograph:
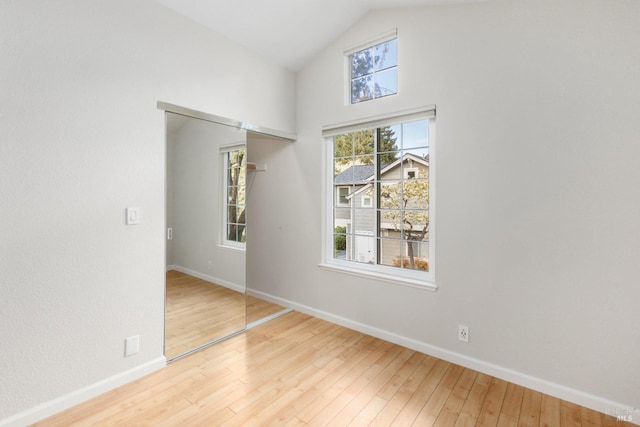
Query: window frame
(371, 43)
(224, 163)
(390, 274)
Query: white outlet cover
(463, 333)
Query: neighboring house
(356, 210)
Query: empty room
(406, 212)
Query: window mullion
(377, 192)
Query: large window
(374, 71)
(381, 212)
(235, 191)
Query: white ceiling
(288, 32)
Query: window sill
(232, 248)
(412, 283)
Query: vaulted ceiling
(288, 32)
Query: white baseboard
(578, 397)
(76, 397)
(215, 280)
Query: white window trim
(393, 275)
(369, 199)
(224, 242)
(381, 38)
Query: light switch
(133, 216)
(131, 345)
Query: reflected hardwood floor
(300, 370)
(198, 312)
(259, 309)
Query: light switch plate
(131, 345)
(133, 216)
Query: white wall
(196, 208)
(82, 139)
(537, 209)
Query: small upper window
(374, 71)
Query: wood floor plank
(419, 398)
(447, 414)
(490, 412)
(512, 401)
(357, 379)
(549, 411)
(297, 370)
(530, 410)
(430, 411)
(389, 365)
(474, 401)
(391, 410)
(570, 414)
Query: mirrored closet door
(206, 202)
(209, 178)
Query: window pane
(364, 222)
(361, 63)
(415, 194)
(362, 89)
(391, 220)
(413, 258)
(343, 171)
(341, 217)
(363, 142)
(364, 249)
(421, 153)
(386, 83)
(340, 243)
(415, 134)
(386, 54)
(390, 195)
(343, 145)
(232, 233)
(389, 137)
(390, 252)
(242, 196)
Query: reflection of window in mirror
(235, 193)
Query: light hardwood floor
(299, 370)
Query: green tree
(362, 144)
(340, 243)
(406, 205)
(387, 146)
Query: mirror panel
(206, 279)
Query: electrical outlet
(463, 333)
(210, 265)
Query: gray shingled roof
(356, 174)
